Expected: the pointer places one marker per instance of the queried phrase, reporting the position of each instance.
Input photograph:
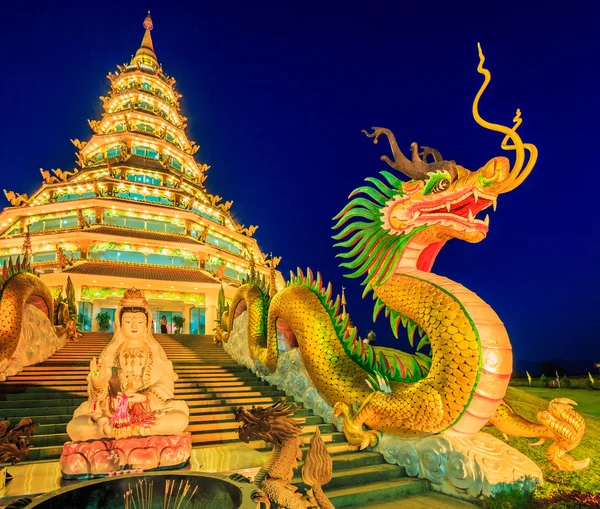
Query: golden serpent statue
(391, 231)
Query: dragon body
(391, 232)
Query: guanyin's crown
(133, 297)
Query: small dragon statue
(274, 425)
(391, 232)
(14, 445)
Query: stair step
(366, 474)
(48, 443)
(363, 493)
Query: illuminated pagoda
(135, 212)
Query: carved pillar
(186, 315)
(99, 215)
(84, 247)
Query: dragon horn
(415, 169)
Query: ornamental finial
(148, 22)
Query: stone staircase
(211, 383)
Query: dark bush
(565, 382)
(514, 498)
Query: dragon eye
(440, 185)
(437, 182)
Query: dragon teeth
(471, 218)
(475, 195)
(416, 215)
(448, 206)
(495, 204)
(486, 221)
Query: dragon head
(272, 424)
(408, 221)
(441, 195)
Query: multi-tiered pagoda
(135, 212)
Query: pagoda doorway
(157, 316)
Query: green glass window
(146, 86)
(113, 151)
(197, 321)
(169, 137)
(145, 127)
(145, 152)
(145, 105)
(84, 318)
(175, 163)
(120, 127)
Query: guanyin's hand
(98, 377)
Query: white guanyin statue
(131, 385)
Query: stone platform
(98, 458)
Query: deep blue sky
(277, 95)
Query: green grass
(527, 402)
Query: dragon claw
(260, 498)
(353, 428)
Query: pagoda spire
(146, 50)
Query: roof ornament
(148, 22)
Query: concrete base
(469, 467)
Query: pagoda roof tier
(142, 271)
(109, 122)
(167, 149)
(111, 105)
(121, 231)
(129, 80)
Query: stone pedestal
(467, 467)
(99, 458)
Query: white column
(211, 317)
(186, 315)
(95, 311)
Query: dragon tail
(560, 423)
(317, 471)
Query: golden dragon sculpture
(16, 199)
(274, 425)
(391, 231)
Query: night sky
(277, 96)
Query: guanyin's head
(133, 315)
(134, 322)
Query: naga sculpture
(249, 231)
(274, 425)
(59, 175)
(16, 199)
(392, 231)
